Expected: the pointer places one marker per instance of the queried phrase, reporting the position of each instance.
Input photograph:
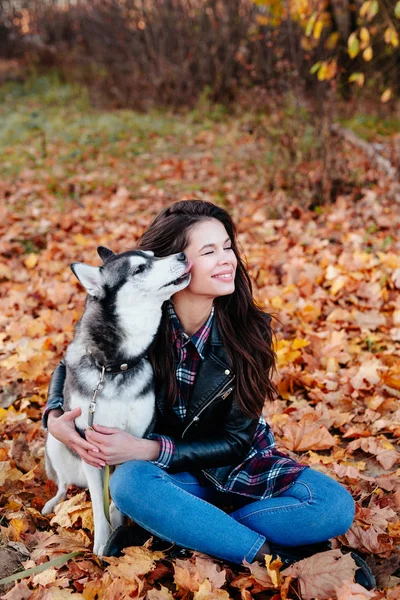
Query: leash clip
(97, 390)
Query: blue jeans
(175, 507)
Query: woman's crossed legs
(175, 507)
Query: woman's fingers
(91, 460)
(63, 429)
(106, 430)
(84, 448)
(98, 455)
(95, 437)
(84, 444)
(70, 415)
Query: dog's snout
(181, 256)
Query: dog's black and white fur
(121, 318)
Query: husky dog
(121, 318)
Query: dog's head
(134, 275)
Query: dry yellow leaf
(85, 512)
(137, 560)
(31, 261)
(81, 240)
(45, 577)
(205, 592)
(8, 473)
(64, 509)
(299, 343)
(307, 435)
(18, 526)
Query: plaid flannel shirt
(265, 471)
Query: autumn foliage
(332, 279)
(171, 53)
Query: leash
(96, 392)
(92, 409)
(113, 369)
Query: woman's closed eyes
(211, 251)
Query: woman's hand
(61, 425)
(117, 446)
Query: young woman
(212, 360)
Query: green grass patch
(369, 127)
(49, 126)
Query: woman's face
(213, 260)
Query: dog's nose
(181, 256)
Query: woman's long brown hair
(245, 332)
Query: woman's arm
(230, 448)
(55, 393)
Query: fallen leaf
(306, 435)
(159, 594)
(319, 574)
(353, 591)
(45, 577)
(19, 592)
(136, 560)
(207, 592)
(31, 261)
(8, 473)
(370, 540)
(367, 375)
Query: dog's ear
(104, 253)
(90, 278)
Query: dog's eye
(139, 269)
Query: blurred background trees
(147, 53)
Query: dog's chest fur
(126, 400)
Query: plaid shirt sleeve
(167, 450)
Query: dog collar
(125, 366)
(113, 369)
(120, 367)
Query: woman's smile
(224, 276)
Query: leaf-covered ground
(331, 276)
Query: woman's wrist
(149, 450)
(54, 414)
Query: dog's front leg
(116, 516)
(102, 529)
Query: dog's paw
(48, 508)
(116, 516)
(100, 540)
(99, 551)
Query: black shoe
(363, 574)
(133, 535)
(122, 537)
(179, 552)
(292, 554)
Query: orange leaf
(31, 261)
(307, 435)
(319, 574)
